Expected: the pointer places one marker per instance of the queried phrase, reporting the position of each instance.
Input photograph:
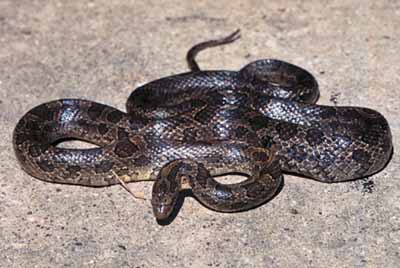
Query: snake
(185, 130)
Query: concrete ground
(101, 50)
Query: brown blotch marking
(189, 134)
(215, 98)
(254, 190)
(369, 121)
(202, 175)
(273, 171)
(349, 115)
(196, 103)
(140, 99)
(102, 129)
(369, 137)
(241, 131)
(328, 112)
(336, 126)
(95, 111)
(137, 121)
(260, 156)
(187, 167)
(267, 142)
(122, 134)
(172, 175)
(286, 131)
(258, 122)
(115, 116)
(45, 165)
(314, 136)
(73, 169)
(202, 116)
(360, 156)
(125, 148)
(142, 161)
(103, 166)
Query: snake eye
(166, 200)
(185, 179)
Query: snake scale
(184, 130)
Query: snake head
(165, 192)
(171, 179)
(163, 204)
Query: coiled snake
(182, 131)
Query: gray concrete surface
(101, 50)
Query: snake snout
(163, 206)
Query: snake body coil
(183, 130)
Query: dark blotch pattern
(298, 153)
(203, 116)
(122, 134)
(103, 166)
(197, 103)
(254, 190)
(140, 100)
(328, 113)
(73, 169)
(172, 176)
(45, 166)
(125, 148)
(142, 161)
(115, 116)
(260, 156)
(258, 122)
(314, 136)
(349, 115)
(95, 111)
(202, 175)
(215, 99)
(240, 132)
(189, 134)
(267, 142)
(360, 156)
(286, 131)
(102, 129)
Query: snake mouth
(162, 212)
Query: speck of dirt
(334, 98)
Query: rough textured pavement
(102, 50)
